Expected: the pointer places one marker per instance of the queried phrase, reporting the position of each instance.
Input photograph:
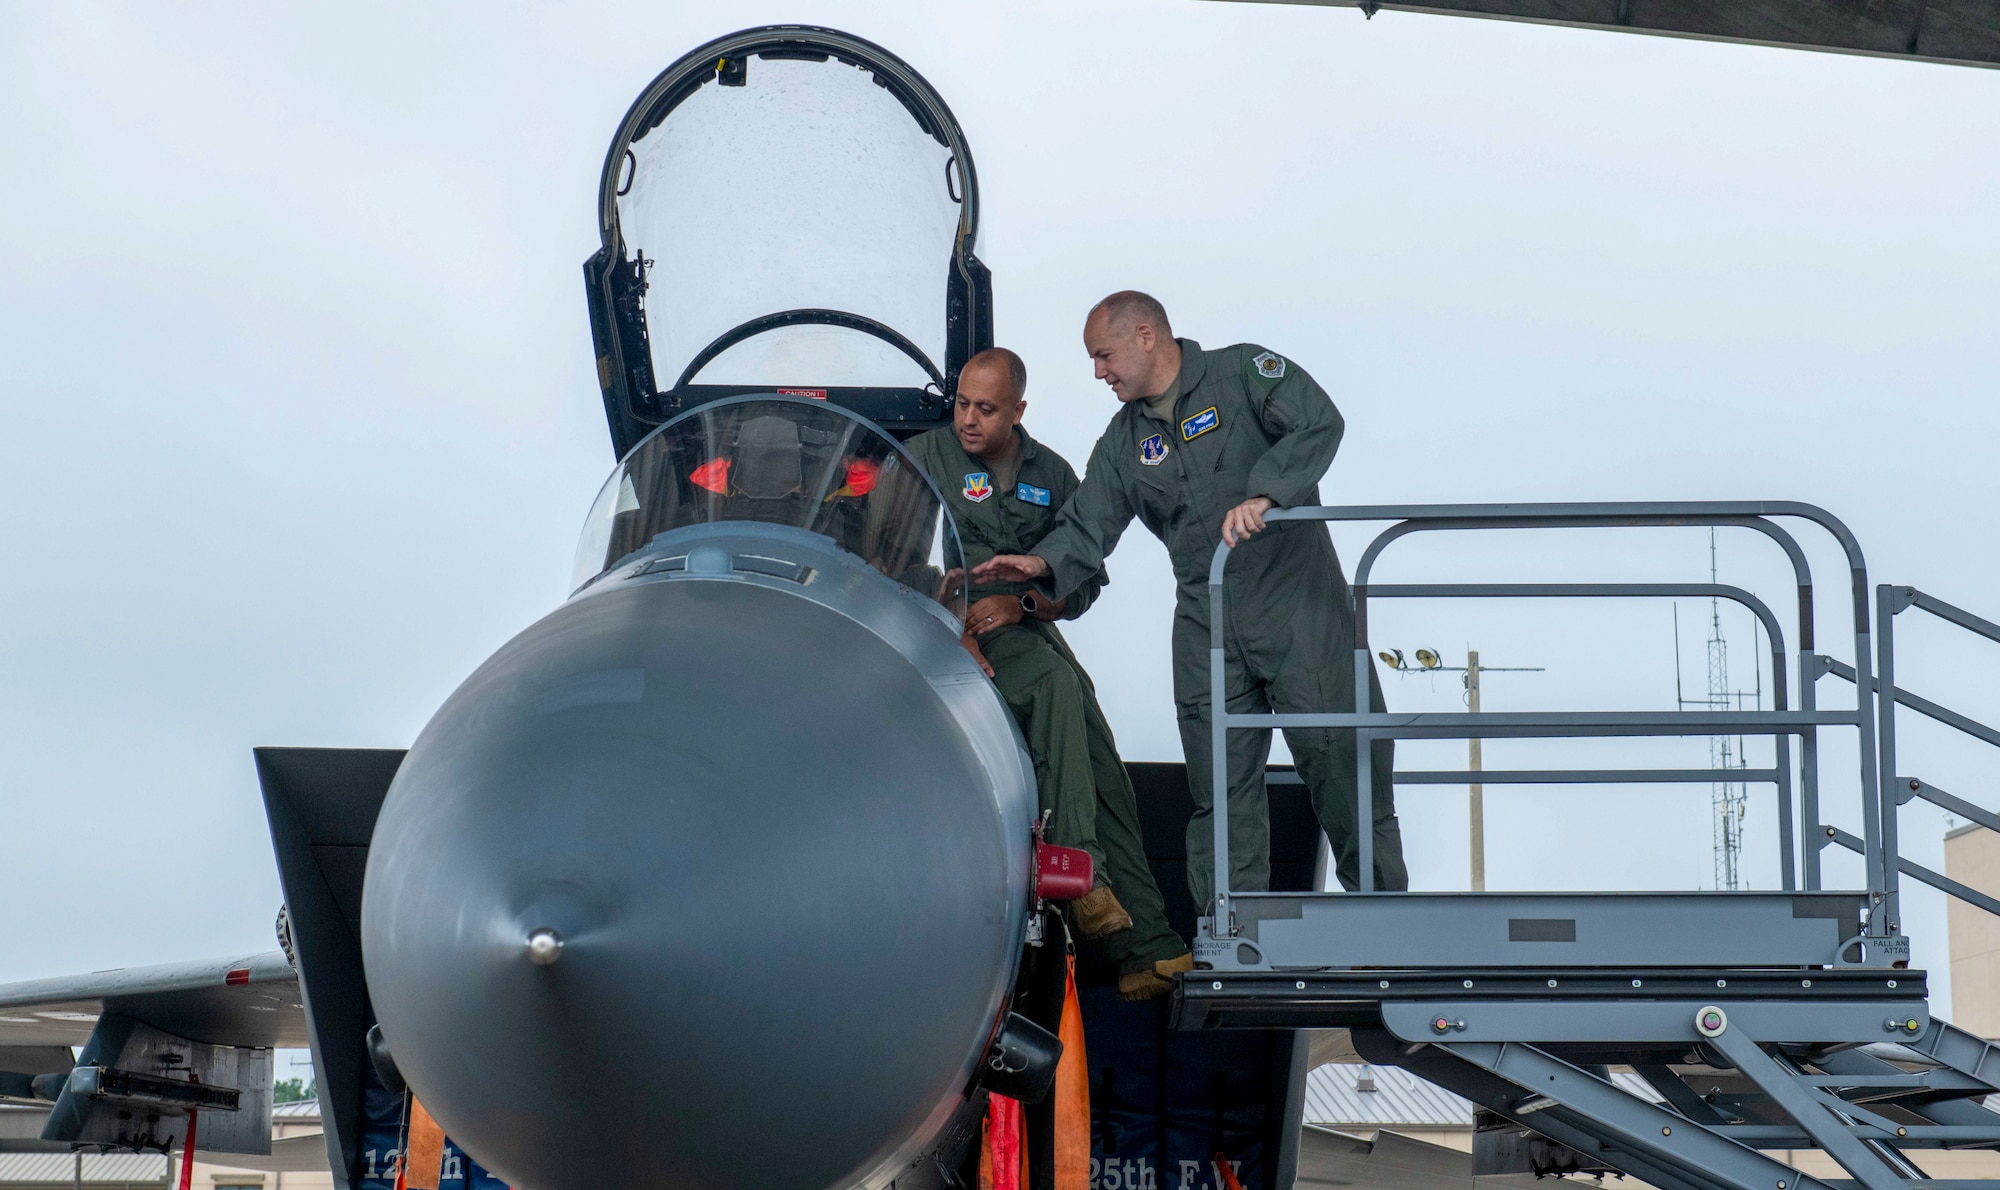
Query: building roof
(1401, 1099)
(1956, 31)
(98, 1168)
(304, 1109)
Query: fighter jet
(724, 873)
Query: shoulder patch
(1268, 365)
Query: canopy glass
(780, 460)
(792, 184)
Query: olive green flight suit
(1077, 768)
(1246, 422)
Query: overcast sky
(298, 417)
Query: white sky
(298, 416)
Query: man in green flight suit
(1004, 488)
(1206, 443)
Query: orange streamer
(423, 1155)
(1072, 1092)
(1226, 1172)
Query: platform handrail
(1759, 776)
(1918, 703)
(1747, 599)
(1513, 519)
(1937, 880)
(1913, 787)
(1781, 768)
(1670, 513)
(1369, 726)
(1550, 516)
(1891, 600)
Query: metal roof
(1401, 1099)
(98, 1168)
(304, 1109)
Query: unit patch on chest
(1153, 451)
(978, 487)
(1028, 493)
(1201, 423)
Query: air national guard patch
(978, 487)
(1269, 366)
(1153, 451)
(1201, 423)
(1028, 493)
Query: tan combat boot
(1145, 985)
(1098, 913)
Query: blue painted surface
(384, 1135)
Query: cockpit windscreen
(787, 461)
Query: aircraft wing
(158, 1045)
(301, 1153)
(246, 1000)
(1386, 1160)
(1954, 32)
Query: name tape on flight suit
(1028, 493)
(1201, 423)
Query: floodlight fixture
(1429, 659)
(1393, 658)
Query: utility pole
(1430, 661)
(1473, 762)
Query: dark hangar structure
(1952, 32)
(642, 905)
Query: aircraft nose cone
(694, 884)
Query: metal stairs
(1767, 1023)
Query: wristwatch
(1029, 603)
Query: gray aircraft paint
(783, 830)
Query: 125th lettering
(1131, 1174)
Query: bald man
(1205, 444)
(1003, 489)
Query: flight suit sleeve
(1088, 527)
(1301, 418)
(1086, 593)
(921, 449)
(909, 490)
(897, 522)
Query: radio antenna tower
(1729, 800)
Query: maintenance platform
(1764, 1020)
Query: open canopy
(787, 209)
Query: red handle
(1061, 873)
